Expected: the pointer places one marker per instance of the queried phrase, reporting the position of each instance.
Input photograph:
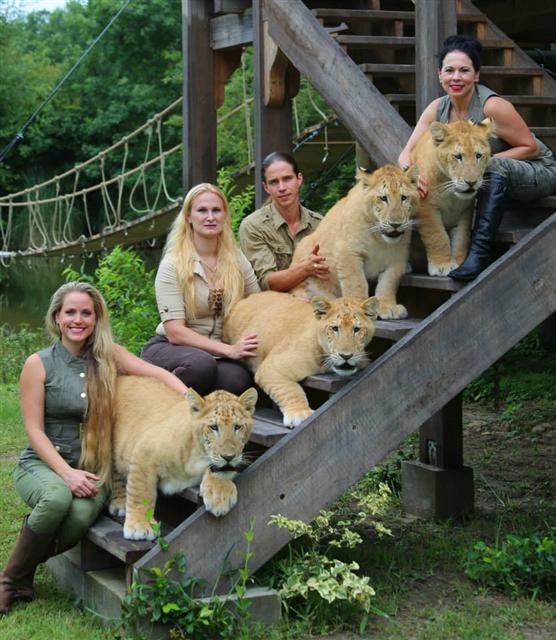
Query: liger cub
(298, 338)
(165, 442)
(366, 236)
(453, 158)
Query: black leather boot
(488, 215)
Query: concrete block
(67, 571)
(440, 494)
(104, 591)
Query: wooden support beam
(441, 437)
(353, 431)
(199, 103)
(231, 30)
(359, 105)
(434, 21)
(276, 82)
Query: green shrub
(15, 346)
(168, 596)
(240, 203)
(128, 289)
(312, 581)
(521, 566)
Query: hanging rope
(20, 135)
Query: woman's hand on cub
(245, 347)
(83, 484)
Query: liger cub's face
(392, 199)
(463, 152)
(225, 422)
(346, 328)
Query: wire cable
(20, 135)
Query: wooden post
(273, 77)
(434, 21)
(437, 486)
(199, 106)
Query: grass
(52, 615)
(417, 573)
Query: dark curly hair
(466, 44)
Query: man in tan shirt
(269, 235)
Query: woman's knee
(80, 517)
(57, 498)
(52, 508)
(233, 377)
(500, 165)
(199, 372)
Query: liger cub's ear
(412, 173)
(196, 401)
(249, 399)
(489, 124)
(370, 307)
(438, 132)
(363, 176)
(321, 306)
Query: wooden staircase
(382, 43)
(420, 364)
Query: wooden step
(268, 427)
(358, 42)
(107, 534)
(367, 42)
(363, 15)
(377, 69)
(471, 18)
(422, 281)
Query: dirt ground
(515, 475)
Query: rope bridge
(126, 193)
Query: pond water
(27, 285)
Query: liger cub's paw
(392, 312)
(219, 495)
(441, 268)
(138, 530)
(294, 419)
(116, 508)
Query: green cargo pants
(56, 510)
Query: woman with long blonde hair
(67, 402)
(201, 275)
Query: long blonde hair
(96, 445)
(181, 249)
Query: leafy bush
(128, 289)
(240, 203)
(15, 346)
(162, 598)
(521, 566)
(311, 580)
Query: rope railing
(135, 179)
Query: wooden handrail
(379, 129)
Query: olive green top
(476, 114)
(65, 402)
(267, 243)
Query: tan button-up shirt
(171, 305)
(267, 243)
